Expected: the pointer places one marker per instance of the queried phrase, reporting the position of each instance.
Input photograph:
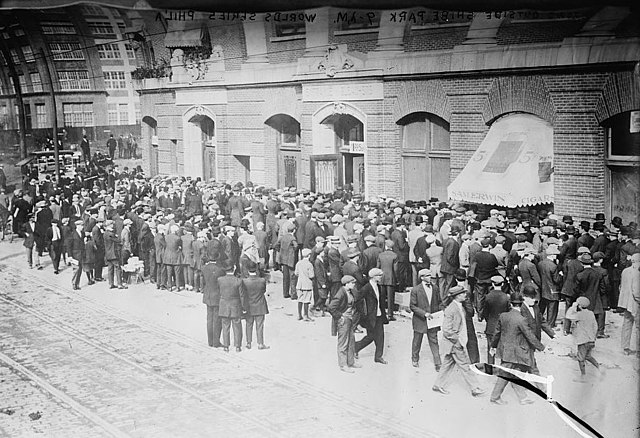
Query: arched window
(285, 130)
(425, 156)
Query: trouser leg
(226, 332)
(432, 337)
(236, 324)
(217, 326)
(210, 325)
(260, 328)
(627, 328)
(448, 365)
(249, 328)
(416, 345)
(344, 327)
(378, 339)
(286, 279)
(490, 359)
(600, 318)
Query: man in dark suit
(374, 318)
(496, 302)
(172, 258)
(514, 342)
(54, 242)
(256, 304)
(450, 261)
(211, 272)
(287, 247)
(76, 250)
(231, 307)
(532, 315)
(29, 232)
(43, 217)
(159, 245)
(351, 267)
(424, 302)
(333, 266)
(97, 235)
(112, 248)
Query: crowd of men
(346, 255)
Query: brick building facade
(400, 108)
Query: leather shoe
(382, 361)
(391, 318)
(249, 346)
(438, 368)
(356, 365)
(346, 370)
(226, 349)
(498, 401)
(440, 389)
(238, 349)
(415, 364)
(478, 392)
(113, 287)
(263, 347)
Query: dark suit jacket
(550, 280)
(112, 246)
(158, 241)
(514, 339)
(211, 290)
(76, 246)
(231, 296)
(450, 258)
(495, 303)
(591, 284)
(255, 288)
(351, 268)
(286, 247)
(535, 322)
(173, 250)
(420, 306)
(332, 264)
(369, 318)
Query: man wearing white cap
(374, 318)
(585, 329)
(424, 302)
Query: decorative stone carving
(336, 60)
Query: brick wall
(434, 39)
(231, 38)
(542, 32)
(470, 105)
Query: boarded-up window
(426, 152)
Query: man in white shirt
(375, 317)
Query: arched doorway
(284, 134)
(339, 149)
(150, 133)
(199, 143)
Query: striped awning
(184, 34)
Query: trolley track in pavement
(281, 388)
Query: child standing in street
(585, 329)
(304, 286)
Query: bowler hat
(516, 297)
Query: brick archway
(428, 97)
(621, 93)
(527, 94)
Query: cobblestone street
(96, 362)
